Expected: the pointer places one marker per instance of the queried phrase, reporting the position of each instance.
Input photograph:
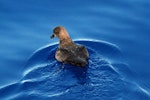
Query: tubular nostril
(52, 36)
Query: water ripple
(105, 77)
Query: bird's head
(60, 32)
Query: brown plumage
(68, 51)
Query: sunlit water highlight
(118, 67)
(102, 78)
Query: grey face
(56, 32)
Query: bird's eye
(57, 30)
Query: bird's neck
(65, 42)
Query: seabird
(68, 51)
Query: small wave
(105, 77)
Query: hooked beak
(52, 36)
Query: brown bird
(68, 51)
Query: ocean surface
(115, 32)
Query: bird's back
(74, 54)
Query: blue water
(116, 33)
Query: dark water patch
(105, 77)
